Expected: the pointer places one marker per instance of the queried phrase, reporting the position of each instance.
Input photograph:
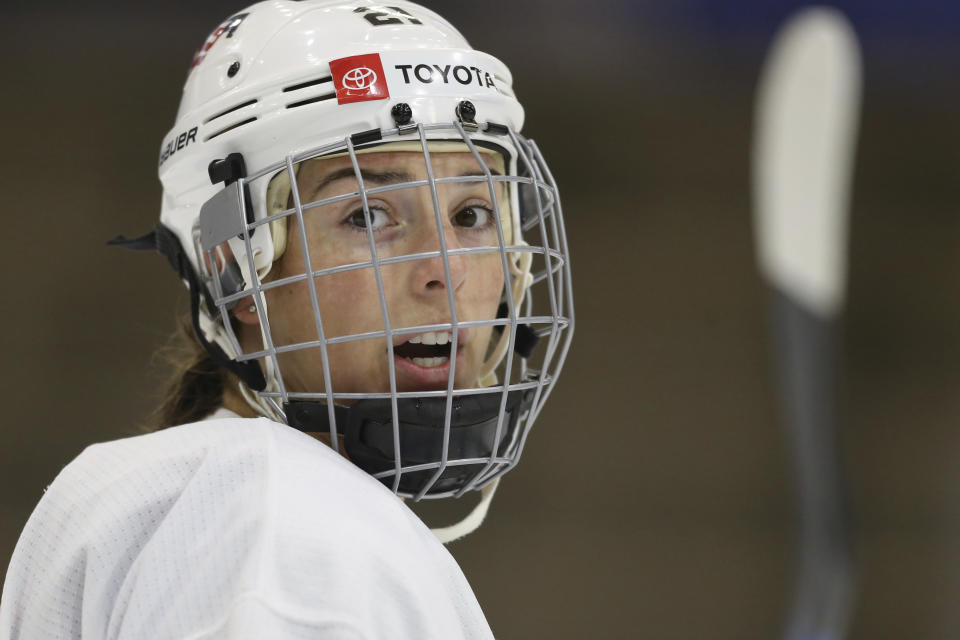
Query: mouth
(430, 349)
(425, 358)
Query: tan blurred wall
(653, 498)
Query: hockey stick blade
(807, 111)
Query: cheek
(484, 299)
(349, 303)
(358, 366)
(490, 279)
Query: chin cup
(367, 428)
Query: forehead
(445, 163)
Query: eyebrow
(469, 174)
(381, 177)
(375, 177)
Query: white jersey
(229, 528)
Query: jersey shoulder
(184, 529)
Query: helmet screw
(402, 113)
(467, 114)
(234, 68)
(466, 111)
(403, 116)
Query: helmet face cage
(420, 443)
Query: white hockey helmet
(285, 81)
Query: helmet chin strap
(472, 521)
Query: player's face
(415, 292)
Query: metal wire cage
(421, 440)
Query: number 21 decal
(379, 16)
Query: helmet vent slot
(308, 83)
(326, 96)
(230, 110)
(230, 128)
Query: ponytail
(196, 384)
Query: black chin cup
(367, 428)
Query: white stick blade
(807, 115)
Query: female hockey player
(375, 258)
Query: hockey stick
(807, 114)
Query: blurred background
(654, 499)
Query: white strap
(473, 520)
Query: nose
(429, 274)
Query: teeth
(428, 362)
(431, 337)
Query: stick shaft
(806, 353)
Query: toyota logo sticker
(359, 78)
(374, 76)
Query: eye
(473, 217)
(379, 218)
